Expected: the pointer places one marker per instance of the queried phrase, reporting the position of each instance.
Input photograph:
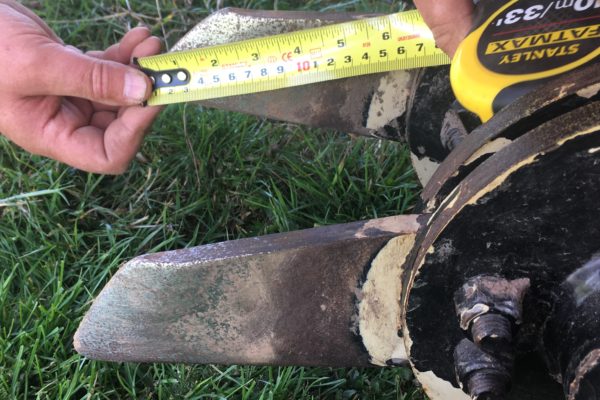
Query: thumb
(450, 21)
(66, 71)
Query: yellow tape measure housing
(382, 44)
(520, 44)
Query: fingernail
(136, 87)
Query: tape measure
(520, 44)
(381, 44)
(514, 47)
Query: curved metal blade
(284, 299)
(371, 105)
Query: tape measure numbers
(520, 44)
(515, 46)
(381, 44)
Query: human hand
(450, 21)
(80, 109)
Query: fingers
(137, 40)
(56, 91)
(124, 136)
(70, 73)
(149, 47)
(112, 140)
(60, 129)
(103, 119)
(143, 45)
(104, 144)
(450, 21)
(122, 52)
(116, 146)
(100, 77)
(109, 151)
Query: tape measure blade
(381, 44)
(258, 87)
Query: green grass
(63, 232)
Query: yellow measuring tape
(381, 44)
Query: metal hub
(528, 210)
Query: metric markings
(397, 41)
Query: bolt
(492, 333)
(486, 386)
(452, 138)
(489, 308)
(483, 376)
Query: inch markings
(381, 44)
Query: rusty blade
(372, 105)
(284, 299)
